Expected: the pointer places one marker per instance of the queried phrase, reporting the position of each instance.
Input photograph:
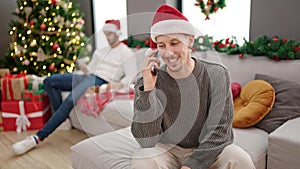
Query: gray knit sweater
(195, 112)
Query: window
(104, 10)
(233, 20)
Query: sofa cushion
(287, 102)
(253, 104)
(255, 142)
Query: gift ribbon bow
(22, 119)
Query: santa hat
(112, 26)
(169, 20)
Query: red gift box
(123, 95)
(25, 115)
(92, 104)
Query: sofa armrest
(284, 146)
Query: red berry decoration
(53, 2)
(52, 67)
(55, 46)
(43, 26)
(32, 22)
(241, 56)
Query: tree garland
(210, 7)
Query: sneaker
(25, 145)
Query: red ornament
(146, 41)
(235, 89)
(125, 42)
(221, 45)
(297, 49)
(52, 67)
(53, 2)
(284, 40)
(241, 56)
(55, 46)
(227, 41)
(32, 22)
(275, 39)
(43, 26)
(216, 9)
(138, 47)
(232, 45)
(276, 58)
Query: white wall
(233, 20)
(106, 10)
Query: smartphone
(154, 69)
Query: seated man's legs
(168, 157)
(233, 157)
(111, 150)
(63, 110)
(62, 113)
(119, 149)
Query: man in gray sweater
(183, 110)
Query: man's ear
(191, 41)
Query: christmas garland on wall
(272, 47)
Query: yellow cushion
(255, 101)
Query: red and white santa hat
(112, 26)
(169, 20)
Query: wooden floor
(53, 153)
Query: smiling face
(175, 51)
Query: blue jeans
(57, 83)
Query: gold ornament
(27, 11)
(41, 56)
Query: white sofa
(278, 150)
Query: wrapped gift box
(1, 124)
(12, 86)
(3, 72)
(25, 115)
(91, 104)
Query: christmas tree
(47, 37)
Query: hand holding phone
(154, 69)
(151, 68)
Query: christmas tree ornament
(33, 43)
(27, 11)
(43, 26)
(52, 67)
(26, 62)
(17, 11)
(43, 12)
(55, 46)
(53, 2)
(41, 56)
(32, 22)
